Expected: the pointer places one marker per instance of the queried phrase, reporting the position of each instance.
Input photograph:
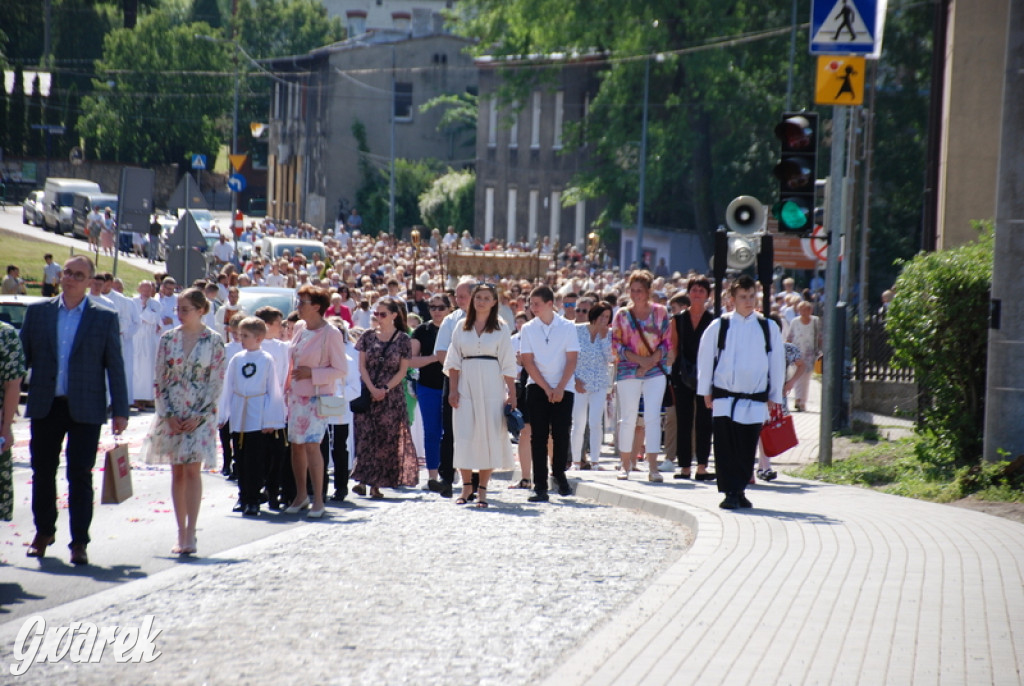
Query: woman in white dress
(146, 338)
(480, 357)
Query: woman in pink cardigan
(317, 352)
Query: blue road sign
(199, 161)
(847, 27)
(236, 182)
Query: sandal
(359, 489)
(523, 483)
(480, 501)
(465, 497)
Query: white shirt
(168, 308)
(447, 328)
(742, 367)
(276, 281)
(279, 351)
(252, 397)
(549, 343)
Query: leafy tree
(938, 326)
(155, 101)
(34, 146)
(4, 98)
(274, 28)
(450, 201)
(207, 11)
(712, 104)
(459, 117)
(16, 122)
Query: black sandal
(480, 502)
(523, 483)
(464, 499)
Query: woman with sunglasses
(431, 383)
(481, 367)
(385, 454)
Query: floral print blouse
(626, 337)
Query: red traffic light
(796, 133)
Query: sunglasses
(438, 308)
(381, 313)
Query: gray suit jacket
(95, 359)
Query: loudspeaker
(742, 253)
(745, 215)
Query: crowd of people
(388, 362)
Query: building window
(355, 21)
(488, 213)
(535, 121)
(403, 101)
(510, 226)
(559, 107)
(513, 133)
(492, 122)
(401, 21)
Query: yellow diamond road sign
(840, 80)
(237, 161)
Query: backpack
(723, 329)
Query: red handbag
(778, 434)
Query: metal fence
(872, 354)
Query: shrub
(450, 201)
(938, 326)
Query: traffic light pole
(833, 225)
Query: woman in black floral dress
(385, 455)
(12, 370)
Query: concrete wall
(975, 55)
(106, 174)
(890, 398)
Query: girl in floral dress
(189, 374)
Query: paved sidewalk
(818, 584)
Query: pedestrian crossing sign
(840, 80)
(847, 27)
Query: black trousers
(339, 455)
(735, 450)
(691, 414)
(548, 419)
(446, 470)
(48, 435)
(227, 447)
(252, 453)
(280, 478)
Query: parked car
(12, 308)
(252, 298)
(32, 209)
(58, 196)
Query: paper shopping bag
(117, 476)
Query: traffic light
(796, 171)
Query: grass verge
(27, 253)
(896, 467)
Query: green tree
(36, 136)
(713, 102)
(4, 104)
(207, 11)
(155, 100)
(275, 28)
(938, 326)
(449, 201)
(16, 122)
(459, 117)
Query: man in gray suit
(73, 348)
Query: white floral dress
(186, 386)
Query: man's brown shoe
(39, 544)
(78, 554)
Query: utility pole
(643, 168)
(1004, 399)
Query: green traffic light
(792, 216)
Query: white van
(58, 201)
(273, 248)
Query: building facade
(524, 164)
(378, 79)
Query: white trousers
(630, 390)
(587, 408)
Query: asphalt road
(131, 540)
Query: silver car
(32, 209)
